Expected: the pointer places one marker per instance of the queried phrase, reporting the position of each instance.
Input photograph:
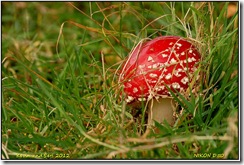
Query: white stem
(161, 110)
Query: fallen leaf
(231, 10)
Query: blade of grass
(61, 110)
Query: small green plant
(60, 93)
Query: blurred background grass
(59, 80)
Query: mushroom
(155, 69)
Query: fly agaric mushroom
(153, 67)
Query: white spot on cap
(173, 61)
(166, 64)
(150, 59)
(151, 81)
(185, 80)
(142, 72)
(176, 85)
(164, 55)
(171, 43)
(182, 53)
(176, 73)
(158, 89)
(135, 90)
(142, 99)
(161, 65)
(165, 70)
(129, 99)
(178, 44)
(190, 51)
(154, 66)
(161, 76)
(152, 75)
(168, 76)
(162, 87)
(193, 59)
(189, 60)
(128, 85)
(142, 66)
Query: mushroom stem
(161, 110)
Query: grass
(60, 96)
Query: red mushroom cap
(164, 61)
